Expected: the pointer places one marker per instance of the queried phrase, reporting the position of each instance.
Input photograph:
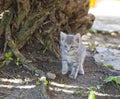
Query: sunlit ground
(106, 8)
(71, 89)
(53, 86)
(15, 83)
(107, 15)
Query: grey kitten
(73, 54)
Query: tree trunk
(44, 19)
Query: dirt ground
(62, 87)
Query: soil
(62, 87)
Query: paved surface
(107, 13)
(107, 56)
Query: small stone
(51, 75)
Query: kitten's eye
(65, 46)
(76, 46)
(72, 46)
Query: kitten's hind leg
(64, 67)
(74, 72)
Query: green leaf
(117, 79)
(33, 1)
(17, 62)
(109, 65)
(8, 54)
(113, 78)
(91, 88)
(46, 82)
(91, 95)
(92, 30)
(98, 86)
(37, 82)
(108, 79)
(2, 63)
(47, 46)
(10, 58)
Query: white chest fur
(70, 59)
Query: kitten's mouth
(69, 54)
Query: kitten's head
(70, 43)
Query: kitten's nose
(68, 50)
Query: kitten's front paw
(81, 72)
(64, 72)
(64, 69)
(73, 76)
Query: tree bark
(49, 17)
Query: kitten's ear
(62, 36)
(77, 37)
